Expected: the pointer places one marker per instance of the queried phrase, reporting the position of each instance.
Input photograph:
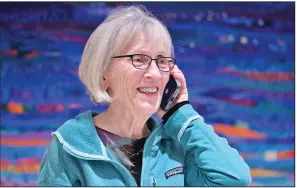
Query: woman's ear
(105, 81)
(105, 85)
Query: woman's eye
(138, 60)
(162, 61)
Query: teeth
(147, 90)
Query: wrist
(167, 114)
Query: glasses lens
(141, 61)
(166, 63)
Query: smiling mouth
(147, 90)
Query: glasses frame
(156, 61)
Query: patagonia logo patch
(174, 171)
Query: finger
(175, 69)
(178, 74)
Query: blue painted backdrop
(238, 59)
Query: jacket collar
(79, 137)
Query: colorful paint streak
(238, 132)
(270, 76)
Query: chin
(148, 107)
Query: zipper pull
(154, 182)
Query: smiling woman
(121, 30)
(126, 63)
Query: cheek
(118, 77)
(165, 80)
(124, 79)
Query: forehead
(146, 44)
(149, 45)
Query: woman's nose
(153, 69)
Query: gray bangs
(155, 32)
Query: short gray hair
(113, 36)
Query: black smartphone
(171, 91)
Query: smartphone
(170, 93)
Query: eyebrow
(162, 53)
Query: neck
(123, 122)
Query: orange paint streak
(15, 108)
(28, 161)
(33, 142)
(238, 132)
(24, 168)
(286, 154)
(29, 165)
(264, 173)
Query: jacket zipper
(152, 135)
(154, 182)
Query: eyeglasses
(142, 62)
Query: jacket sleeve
(209, 161)
(54, 167)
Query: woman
(127, 62)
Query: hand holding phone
(170, 93)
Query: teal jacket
(184, 151)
